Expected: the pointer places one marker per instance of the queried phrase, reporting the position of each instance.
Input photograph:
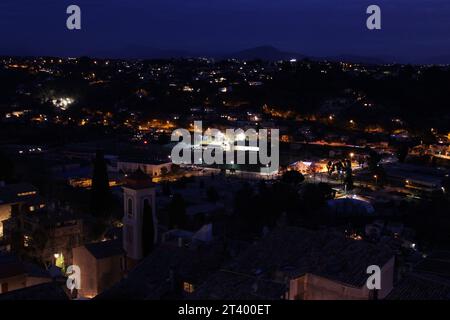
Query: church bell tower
(138, 193)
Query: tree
(177, 211)
(373, 160)
(166, 189)
(101, 193)
(164, 171)
(292, 177)
(212, 195)
(315, 196)
(6, 168)
(401, 152)
(348, 180)
(244, 210)
(330, 168)
(148, 230)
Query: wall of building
(14, 283)
(33, 281)
(319, 288)
(88, 268)
(387, 278)
(109, 272)
(5, 214)
(151, 169)
(297, 288)
(313, 287)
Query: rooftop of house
(227, 285)
(204, 208)
(155, 276)
(54, 218)
(437, 263)
(17, 192)
(105, 249)
(138, 180)
(11, 265)
(296, 251)
(418, 286)
(45, 291)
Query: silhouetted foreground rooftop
(296, 251)
(44, 291)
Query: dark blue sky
(412, 29)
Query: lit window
(26, 241)
(24, 194)
(188, 287)
(32, 208)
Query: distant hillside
(268, 53)
(358, 59)
(141, 52)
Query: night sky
(412, 29)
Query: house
(416, 286)
(312, 265)
(227, 285)
(50, 235)
(16, 199)
(102, 264)
(50, 291)
(16, 274)
(169, 272)
(428, 280)
(153, 168)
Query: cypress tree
(100, 193)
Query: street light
(376, 179)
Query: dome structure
(351, 206)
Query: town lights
(63, 103)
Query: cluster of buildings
(146, 253)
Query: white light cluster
(63, 103)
